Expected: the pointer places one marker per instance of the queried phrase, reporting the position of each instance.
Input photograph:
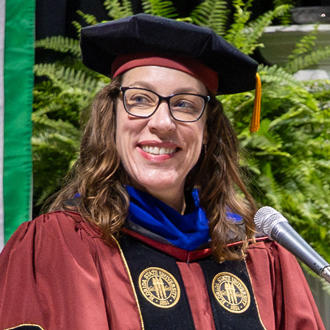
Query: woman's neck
(173, 198)
(176, 201)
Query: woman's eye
(140, 99)
(183, 105)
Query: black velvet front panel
(140, 257)
(224, 319)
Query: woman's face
(158, 152)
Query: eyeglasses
(143, 103)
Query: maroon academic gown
(56, 272)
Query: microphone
(273, 224)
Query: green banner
(18, 86)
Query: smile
(158, 151)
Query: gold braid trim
(131, 280)
(254, 296)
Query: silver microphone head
(266, 218)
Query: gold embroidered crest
(159, 287)
(231, 292)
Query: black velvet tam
(102, 43)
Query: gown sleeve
(281, 290)
(48, 279)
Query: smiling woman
(154, 228)
(161, 175)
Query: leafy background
(286, 163)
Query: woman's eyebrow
(143, 84)
(183, 89)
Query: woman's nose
(162, 120)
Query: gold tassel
(255, 122)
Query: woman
(150, 231)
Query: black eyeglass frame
(206, 99)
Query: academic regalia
(58, 273)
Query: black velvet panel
(224, 319)
(140, 257)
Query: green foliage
(159, 8)
(213, 14)
(244, 34)
(304, 55)
(89, 19)
(60, 44)
(118, 9)
(287, 160)
(286, 18)
(235, 34)
(55, 143)
(305, 44)
(63, 89)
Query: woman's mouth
(158, 151)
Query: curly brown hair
(100, 179)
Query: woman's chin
(159, 184)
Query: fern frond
(303, 55)
(244, 34)
(60, 44)
(213, 14)
(63, 129)
(200, 15)
(67, 78)
(159, 8)
(285, 19)
(291, 118)
(235, 34)
(88, 18)
(269, 185)
(78, 27)
(305, 45)
(254, 30)
(268, 141)
(118, 9)
(277, 76)
(54, 150)
(302, 62)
